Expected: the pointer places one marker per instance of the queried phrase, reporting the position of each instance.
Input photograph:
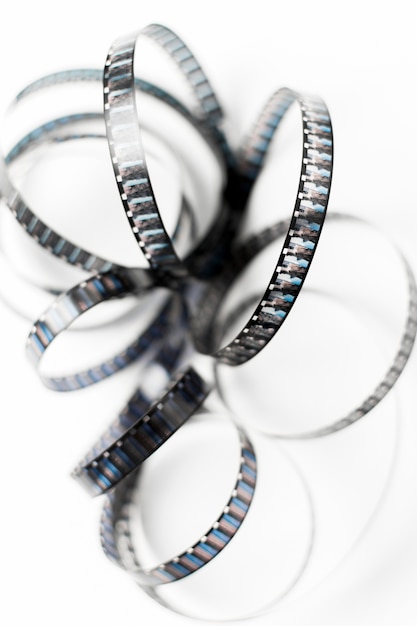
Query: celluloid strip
(145, 426)
(128, 154)
(210, 108)
(393, 372)
(306, 223)
(128, 158)
(208, 330)
(42, 233)
(73, 127)
(69, 306)
(36, 228)
(70, 128)
(205, 125)
(190, 67)
(116, 535)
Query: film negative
(305, 225)
(370, 326)
(129, 159)
(153, 423)
(143, 526)
(70, 306)
(116, 517)
(89, 126)
(199, 242)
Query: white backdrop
(361, 58)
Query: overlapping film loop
(127, 148)
(153, 424)
(194, 258)
(76, 126)
(306, 223)
(115, 527)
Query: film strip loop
(305, 226)
(210, 109)
(54, 130)
(68, 128)
(144, 424)
(128, 157)
(128, 153)
(116, 537)
(205, 125)
(208, 128)
(211, 329)
(153, 424)
(69, 306)
(190, 67)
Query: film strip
(53, 130)
(189, 66)
(208, 107)
(153, 423)
(28, 297)
(209, 329)
(116, 537)
(145, 424)
(304, 228)
(128, 153)
(210, 131)
(71, 305)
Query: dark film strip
(208, 330)
(153, 424)
(69, 306)
(115, 527)
(42, 233)
(305, 225)
(129, 159)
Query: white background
(361, 58)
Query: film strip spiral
(190, 257)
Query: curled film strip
(244, 254)
(115, 524)
(54, 242)
(188, 64)
(112, 459)
(305, 226)
(145, 424)
(128, 153)
(58, 317)
(115, 527)
(297, 261)
(67, 308)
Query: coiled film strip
(52, 241)
(103, 469)
(115, 528)
(305, 225)
(70, 306)
(210, 328)
(144, 425)
(206, 98)
(127, 150)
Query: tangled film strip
(167, 299)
